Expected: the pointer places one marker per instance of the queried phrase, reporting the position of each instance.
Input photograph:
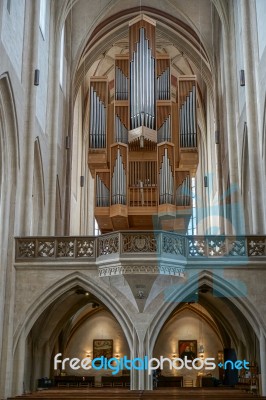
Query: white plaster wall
(261, 18)
(43, 66)
(239, 59)
(12, 33)
(99, 326)
(187, 326)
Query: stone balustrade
(140, 243)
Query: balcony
(141, 252)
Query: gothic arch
(62, 286)
(245, 308)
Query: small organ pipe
(119, 181)
(163, 85)
(188, 123)
(102, 193)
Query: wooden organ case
(143, 144)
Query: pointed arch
(226, 289)
(59, 289)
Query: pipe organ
(143, 140)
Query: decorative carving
(46, 248)
(216, 246)
(141, 269)
(108, 244)
(85, 248)
(140, 295)
(173, 244)
(256, 246)
(139, 243)
(65, 248)
(197, 247)
(25, 248)
(237, 247)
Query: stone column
(52, 129)
(30, 60)
(229, 76)
(30, 63)
(249, 44)
(133, 373)
(46, 360)
(18, 366)
(263, 363)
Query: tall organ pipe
(97, 132)
(142, 102)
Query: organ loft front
(143, 139)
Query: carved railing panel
(139, 242)
(197, 246)
(46, 248)
(25, 248)
(256, 246)
(216, 246)
(85, 247)
(108, 244)
(173, 244)
(237, 247)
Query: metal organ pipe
(121, 131)
(164, 133)
(166, 181)
(119, 181)
(102, 193)
(142, 68)
(188, 123)
(121, 85)
(183, 193)
(97, 122)
(163, 85)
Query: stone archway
(242, 307)
(45, 305)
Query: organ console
(143, 143)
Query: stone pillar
(249, 44)
(30, 60)
(229, 76)
(52, 129)
(19, 366)
(46, 360)
(263, 363)
(137, 381)
(133, 372)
